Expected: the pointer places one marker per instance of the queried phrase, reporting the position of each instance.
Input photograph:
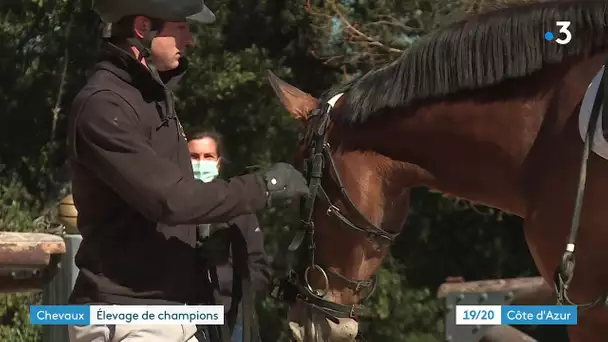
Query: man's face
(169, 44)
(203, 149)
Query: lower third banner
(516, 315)
(126, 314)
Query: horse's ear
(298, 103)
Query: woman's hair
(217, 137)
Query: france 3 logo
(564, 36)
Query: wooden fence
(29, 261)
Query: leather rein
(297, 287)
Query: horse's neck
(468, 146)
(473, 152)
(484, 145)
(481, 145)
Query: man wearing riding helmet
(132, 181)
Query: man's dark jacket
(136, 196)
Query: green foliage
(15, 215)
(14, 207)
(42, 63)
(15, 320)
(472, 242)
(398, 315)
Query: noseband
(297, 286)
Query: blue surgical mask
(205, 170)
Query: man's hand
(284, 182)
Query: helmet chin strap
(144, 46)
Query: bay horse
(485, 109)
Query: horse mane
(478, 51)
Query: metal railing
(57, 292)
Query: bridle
(296, 286)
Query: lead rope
(565, 272)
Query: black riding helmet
(111, 11)
(158, 11)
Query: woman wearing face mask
(205, 153)
(206, 156)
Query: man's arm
(111, 142)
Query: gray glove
(284, 182)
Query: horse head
(356, 209)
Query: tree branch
(374, 34)
(356, 33)
(364, 38)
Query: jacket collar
(126, 67)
